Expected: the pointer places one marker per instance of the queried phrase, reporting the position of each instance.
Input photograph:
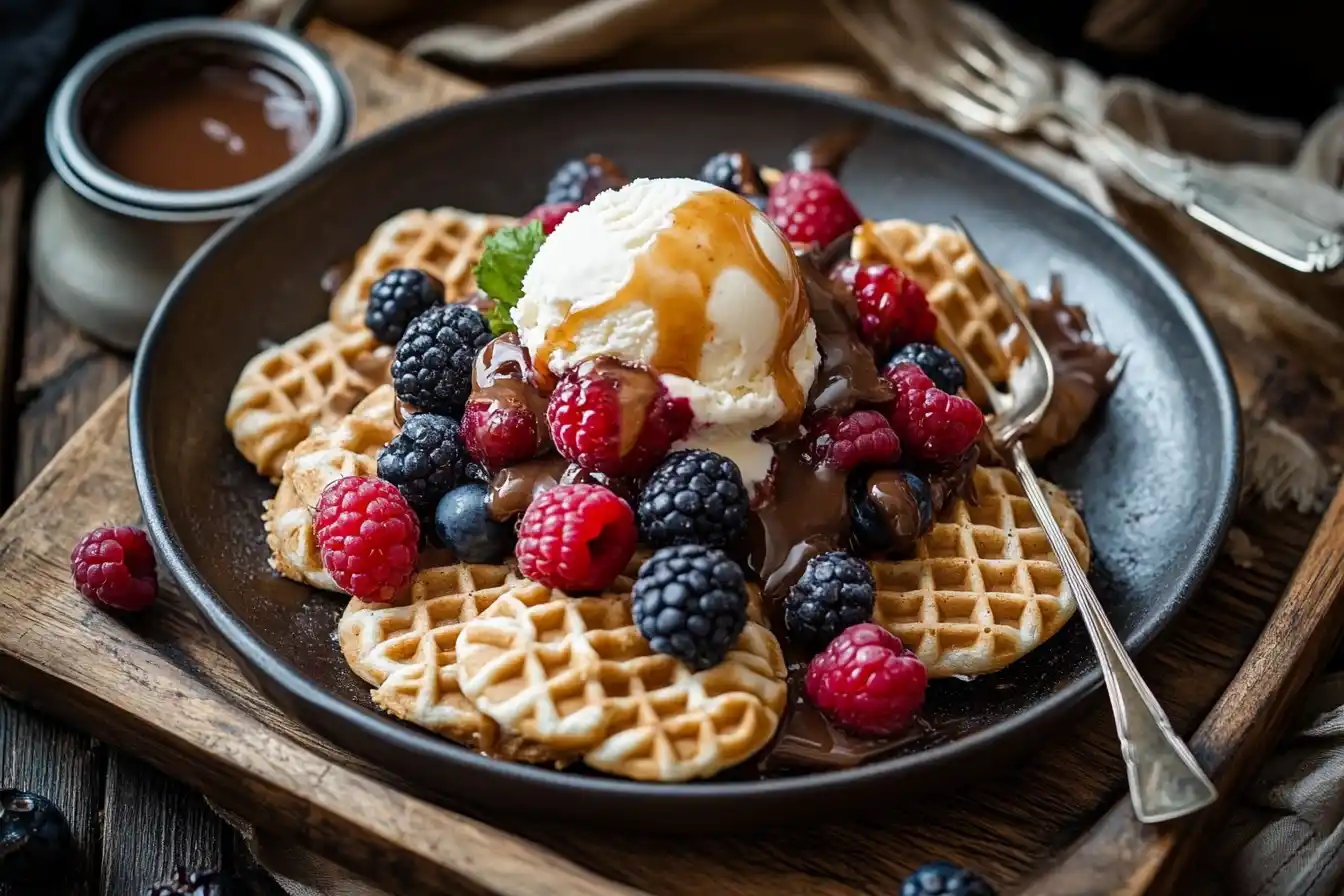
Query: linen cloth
(1286, 837)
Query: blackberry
(424, 461)
(34, 842)
(690, 602)
(432, 368)
(579, 180)
(937, 363)
(734, 172)
(694, 497)
(198, 883)
(835, 592)
(945, 879)
(398, 298)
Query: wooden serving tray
(1057, 823)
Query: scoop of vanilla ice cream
(591, 257)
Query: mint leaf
(508, 254)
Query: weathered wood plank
(41, 756)
(152, 824)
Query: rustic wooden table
(132, 823)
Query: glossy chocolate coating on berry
(848, 375)
(502, 378)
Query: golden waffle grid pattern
(350, 449)
(314, 379)
(984, 587)
(408, 649)
(971, 319)
(446, 242)
(576, 675)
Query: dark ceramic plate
(1157, 471)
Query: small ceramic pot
(105, 247)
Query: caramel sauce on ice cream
(711, 233)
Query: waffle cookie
(555, 679)
(983, 588)
(314, 379)
(348, 449)
(971, 319)
(407, 651)
(575, 674)
(446, 242)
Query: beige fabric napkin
(1287, 837)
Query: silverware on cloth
(1165, 781)
(964, 63)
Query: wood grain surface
(160, 689)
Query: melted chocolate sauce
(1085, 370)
(827, 151)
(808, 740)
(848, 375)
(806, 514)
(513, 488)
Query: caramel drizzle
(711, 232)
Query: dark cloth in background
(41, 39)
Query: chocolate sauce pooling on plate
(1085, 369)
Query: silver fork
(960, 60)
(1165, 781)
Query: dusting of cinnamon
(711, 232)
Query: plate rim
(271, 672)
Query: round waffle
(348, 449)
(445, 242)
(575, 674)
(983, 588)
(314, 379)
(971, 320)
(407, 650)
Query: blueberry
(464, 524)
(34, 840)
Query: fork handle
(1165, 781)
(1216, 200)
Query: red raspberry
(893, 309)
(550, 215)
(865, 681)
(576, 538)
(115, 568)
(369, 537)
(615, 420)
(862, 437)
(498, 436)
(810, 207)
(933, 425)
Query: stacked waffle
(513, 668)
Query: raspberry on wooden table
(369, 537)
(893, 308)
(811, 207)
(576, 538)
(932, 425)
(114, 567)
(863, 437)
(866, 682)
(594, 406)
